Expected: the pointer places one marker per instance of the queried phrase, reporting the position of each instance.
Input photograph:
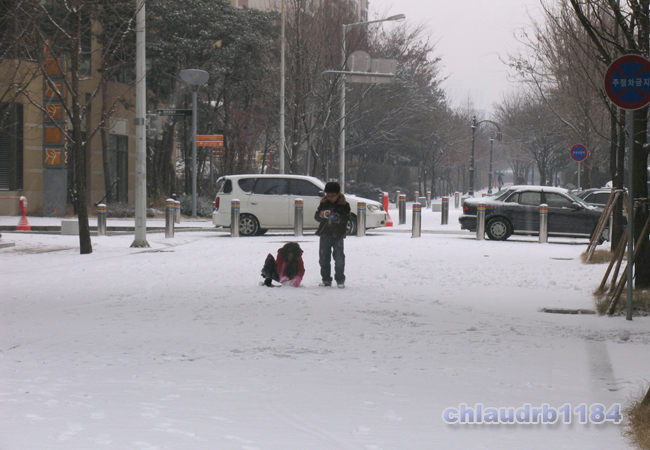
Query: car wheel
(248, 225)
(352, 225)
(498, 229)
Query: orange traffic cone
(389, 221)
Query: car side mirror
(577, 206)
(321, 194)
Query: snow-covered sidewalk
(178, 346)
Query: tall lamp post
(347, 27)
(196, 78)
(282, 70)
(490, 173)
(140, 239)
(475, 125)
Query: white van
(268, 202)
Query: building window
(11, 146)
(120, 166)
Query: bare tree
(67, 33)
(237, 47)
(533, 129)
(615, 28)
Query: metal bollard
(480, 221)
(101, 219)
(456, 200)
(234, 217)
(402, 209)
(397, 194)
(484, 194)
(428, 199)
(177, 216)
(170, 214)
(444, 211)
(417, 220)
(299, 206)
(543, 223)
(361, 219)
(416, 196)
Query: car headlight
(372, 208)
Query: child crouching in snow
(287, 267)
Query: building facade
(34, 157)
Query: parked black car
(515, 210)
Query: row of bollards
(543, 222)
(421, 200)
(361, 218)
(299, 206)
(172, 216)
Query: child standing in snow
(287, 268)
(333, 214)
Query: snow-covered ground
(178, 346)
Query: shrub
(120, 210)
(366, 190)
(203, 206)
(637, 422)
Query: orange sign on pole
(209, 140)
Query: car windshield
(500, 194)
(497, 194)
(577, 199)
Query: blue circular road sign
(627, 82)
(579, 153)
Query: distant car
(268, 202)
(596, 196)
(516, 211)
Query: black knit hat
(332, 187)
(291, 247)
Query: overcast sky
(471, 36)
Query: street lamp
(140, 239)
(475, 125)
(196, 78)
(282, 82)
(490, 173)
(346, 27)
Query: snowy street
(179, 347)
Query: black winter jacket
(334, 224)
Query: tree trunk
(78, 144)
(617, 167)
